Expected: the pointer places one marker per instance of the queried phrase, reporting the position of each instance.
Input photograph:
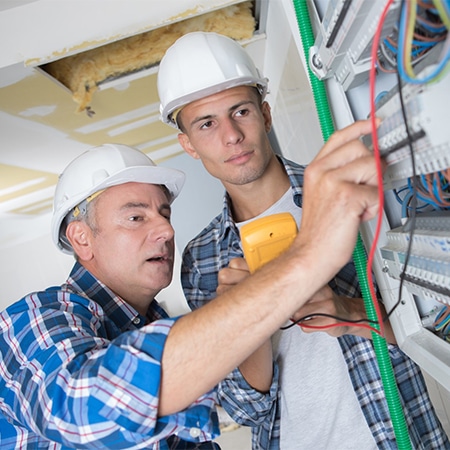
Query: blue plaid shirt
(211, 251)
(81, 369)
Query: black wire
(338, 24)
(339, 319)
(412, 217)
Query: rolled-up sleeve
(244, 404)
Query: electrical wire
(433, 189)
(408, 48)
(442, 323)
(364, 323)
(444, 11)
(405, 202)
(413, 200)
(422, 25)
(380, 322)
(433, 193)
(334, 325)
(376, 151)
(408, 9)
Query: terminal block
(428, 268)
(430, 140)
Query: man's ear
(79, 235)
(265, 109)
(184, 141)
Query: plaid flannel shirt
(211, 251)
(81, 369)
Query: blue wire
(436, 191)
(429, 201)
(423, 181)
(390, 46)
(405, 207)
(401, 45)
(420, 197)
(438, 69)
(442, 319)
(431, 28)
(398, 192)
(423, 44)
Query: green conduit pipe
(359, 255)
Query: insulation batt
(81, 73)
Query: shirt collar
(295, 173)
(125, 317)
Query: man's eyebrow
(242, 103)
(131, 205)
(201, 118)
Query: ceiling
(40, 130)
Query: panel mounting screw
(317, 63)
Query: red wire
(372, 73)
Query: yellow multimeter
(265, 238)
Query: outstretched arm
(204, 346)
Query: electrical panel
(412, 87)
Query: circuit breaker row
(428, 266)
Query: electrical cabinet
(411, 92)
(412, 279)
(414, 141)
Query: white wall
(33, 264)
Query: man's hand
(340, 192)
(344, 309)
(325, 301)
(236, 271)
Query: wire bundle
(433, 193)
(422, 24)
(433, 189)
(442, 323)
(424, 188)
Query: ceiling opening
(136, 56)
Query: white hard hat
(99, 168)
(200, 64)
